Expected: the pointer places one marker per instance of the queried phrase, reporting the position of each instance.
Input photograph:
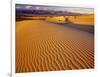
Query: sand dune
(84, 19)
(43, 46)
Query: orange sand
(85, 19)
(43, 46)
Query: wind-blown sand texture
(43, 46)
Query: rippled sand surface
(44, 46)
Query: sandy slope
(43, 46)
(84, 19)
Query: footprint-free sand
(44, 46)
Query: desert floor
(45, 46)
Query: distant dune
(57, 19)
(43, 46)
(83, 19)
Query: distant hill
(45, 12)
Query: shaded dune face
(43, 46)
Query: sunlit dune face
(43, 46)
(56, 19)
(85, 19)
(82, 19)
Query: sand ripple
(43, 46)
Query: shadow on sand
(87, 28)
(80, 27)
